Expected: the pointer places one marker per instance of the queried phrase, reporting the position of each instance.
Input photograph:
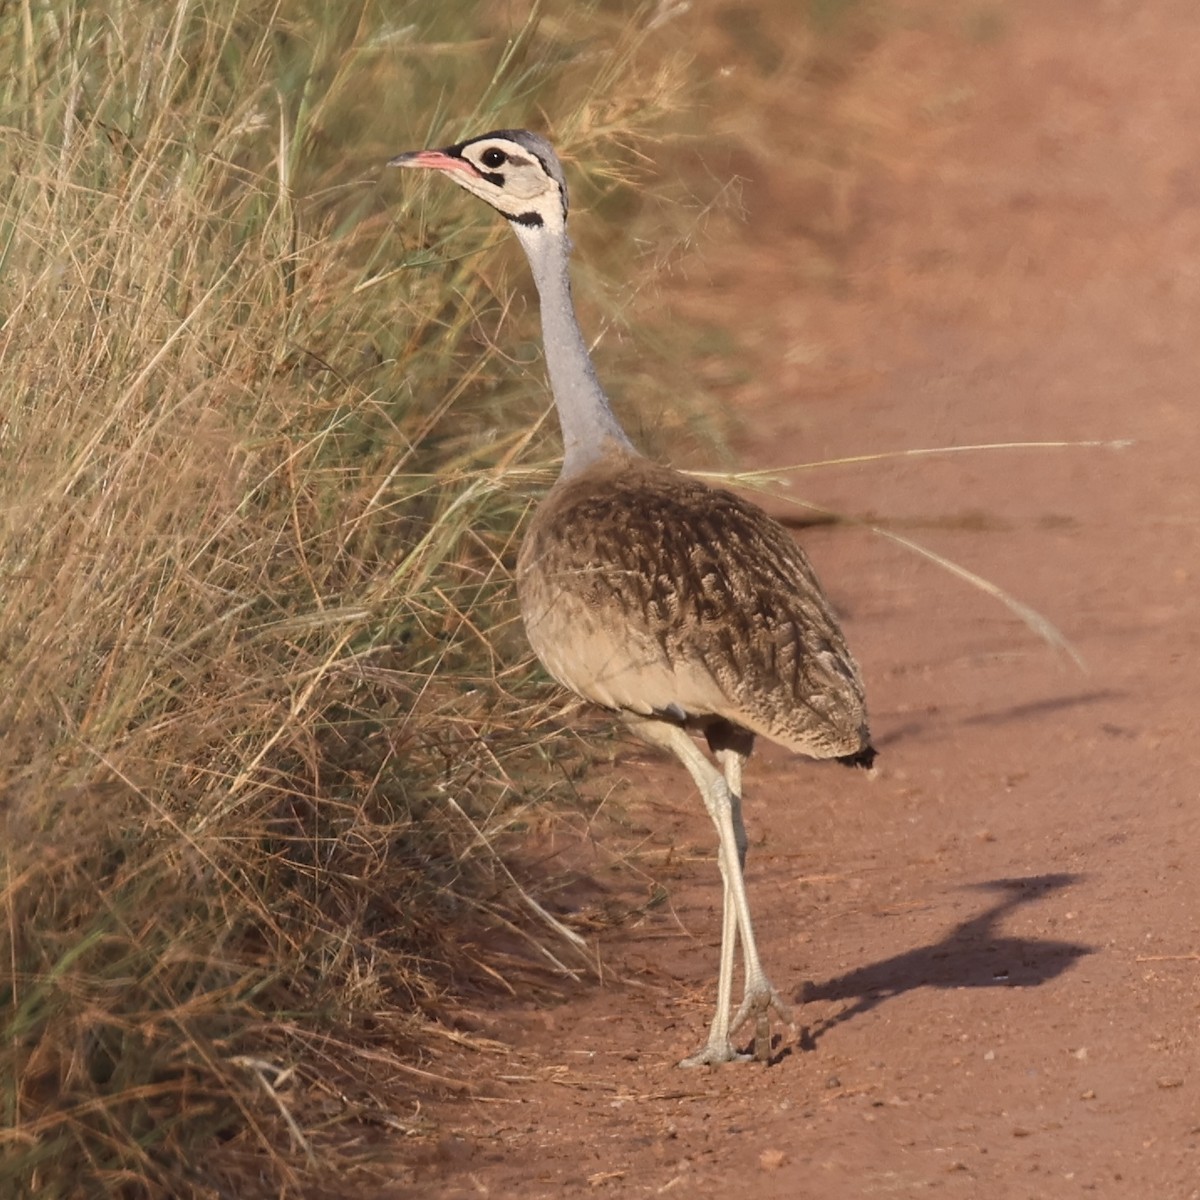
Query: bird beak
(433, 160)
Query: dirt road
(997, 939)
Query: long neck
(589, 426)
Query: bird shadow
(971, 955)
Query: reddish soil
(994, 943)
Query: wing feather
(645, 590)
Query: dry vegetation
(265, 711)
(263, 704)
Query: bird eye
(494, 158)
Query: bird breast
(646, 591)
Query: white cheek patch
(523, 179)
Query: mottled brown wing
(645, 590)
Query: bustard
(680, 606)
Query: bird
(678, 605)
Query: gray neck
(589, 427)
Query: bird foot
(759, 1000)
(713, 1054)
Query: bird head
(515, 171)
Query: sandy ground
(994, 944)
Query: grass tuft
(264, 706)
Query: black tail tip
(865, 758)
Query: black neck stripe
(528, 218)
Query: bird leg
(759, 996)
(732, 763)
(718, 1048)
(724, 806)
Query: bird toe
(713, 1054)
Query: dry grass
(265, 711)
(263, 703)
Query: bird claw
(762, 1038)
(760, 999)
(713, 1054)
(758, 1003)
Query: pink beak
(434, 160)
